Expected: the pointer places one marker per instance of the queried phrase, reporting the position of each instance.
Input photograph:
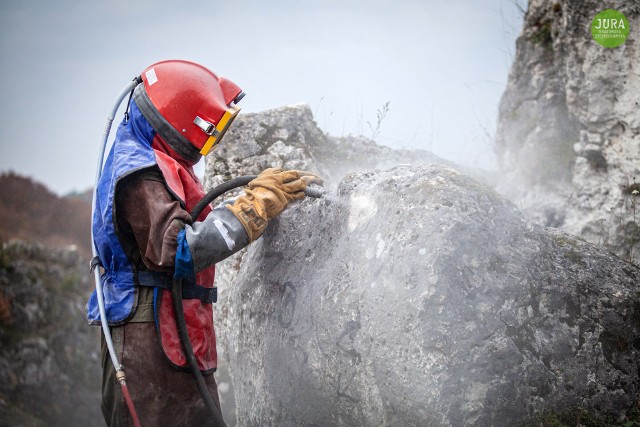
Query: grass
(580, 417)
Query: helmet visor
(221, 129)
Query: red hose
(132, 409)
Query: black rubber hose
(314, 192)
(179, 310)
(218, 191)
(191, 358)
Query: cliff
(568, 135)
(49, 358)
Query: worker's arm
(153, 228)
(230, 228)
(219, 236)
(167, 240)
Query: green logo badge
(610, 28)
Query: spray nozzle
(315, 192)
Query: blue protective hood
(131, 151)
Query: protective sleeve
(219, 236)
(149, 220)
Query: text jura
(613, 24)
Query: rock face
(416, 296)
(288, 137)
(49, 357)
(569, 129)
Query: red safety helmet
(189, 106)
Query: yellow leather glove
(267, 197)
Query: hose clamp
(120, 376)
(95, 262)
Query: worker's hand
(290, 182)
(267, 197)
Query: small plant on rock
(381, 114)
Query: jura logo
(610, 28)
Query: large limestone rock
(569, 129)
(285, 137)
(413, 297)
(416, 296)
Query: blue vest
(131, 151)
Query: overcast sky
(442, 66)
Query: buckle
(207, 127)
(210, 295)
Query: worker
(144, 237)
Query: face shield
(216, 132)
